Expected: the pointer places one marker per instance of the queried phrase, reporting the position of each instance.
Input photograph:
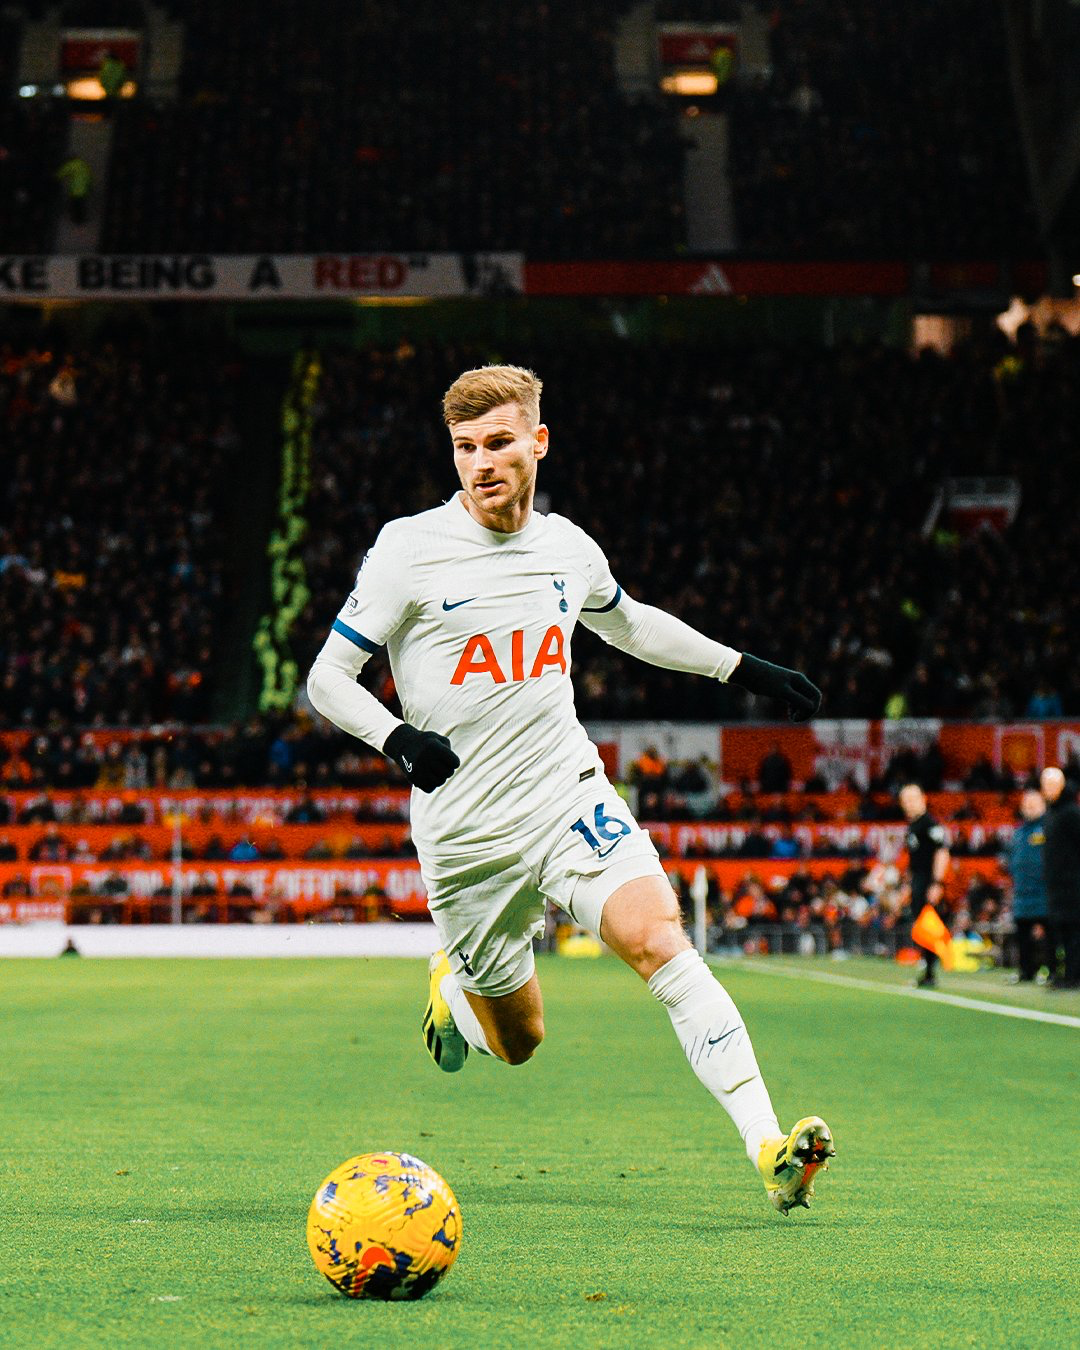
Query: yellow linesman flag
(929, 932)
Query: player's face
(496, 457)
(1032, 805)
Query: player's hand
(424, 757)
(803, 699)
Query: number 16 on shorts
(603, 832)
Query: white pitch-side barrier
(218, 940)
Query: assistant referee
(928, 866)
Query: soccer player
(476, 601)
(928, 866)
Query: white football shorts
(489, 907)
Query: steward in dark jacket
(1026, 867)
(1062, 867)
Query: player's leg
(927, 978)
(607, 874)
(483, 990)
(513, 1024)
(640, 921)
(449, 1025)
(508, 1026)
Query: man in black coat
(1062, 866)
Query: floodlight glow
(690, 83)
(88, 89)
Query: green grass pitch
(165, 1125)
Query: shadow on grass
(316, 1298)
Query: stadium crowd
(805, 869)
(112, 570)
(874, 130)
(774, 498)
(397, 126)
(881, 129)
(31, 149)
(111, 553)
(862, 910)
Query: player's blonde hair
(478, 391)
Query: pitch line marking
(923, 995)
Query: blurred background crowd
(874, 129)
(774, 497)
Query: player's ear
(540, 441)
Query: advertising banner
(105, 844)
(251, 806)
(86, 48)
(695, 45)
(884, 842)
(716, 277)
(321, 883)
(35, 842)
(297, 276)
(356, 276)
(308, 890)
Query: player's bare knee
(649, 935)
(521, 1045)
(663, 939)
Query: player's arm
(661, 639)
(377, 607)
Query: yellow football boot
(445, 1044)
(788, 1166)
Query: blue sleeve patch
(603, 609)
(358, 639)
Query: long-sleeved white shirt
(478, 626)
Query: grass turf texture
(166, 1125)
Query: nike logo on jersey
(406, 765)
(457, 603)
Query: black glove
(424, 756)
(791, 687)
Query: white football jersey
(477, 625)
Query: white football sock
(467, 1021)
(717, 1044)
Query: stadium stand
(883, 129)
(950, 626)
(111, 576)
(31, 149)
(875, 131)
(796, 548)
(781, 869)
(509, 132)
